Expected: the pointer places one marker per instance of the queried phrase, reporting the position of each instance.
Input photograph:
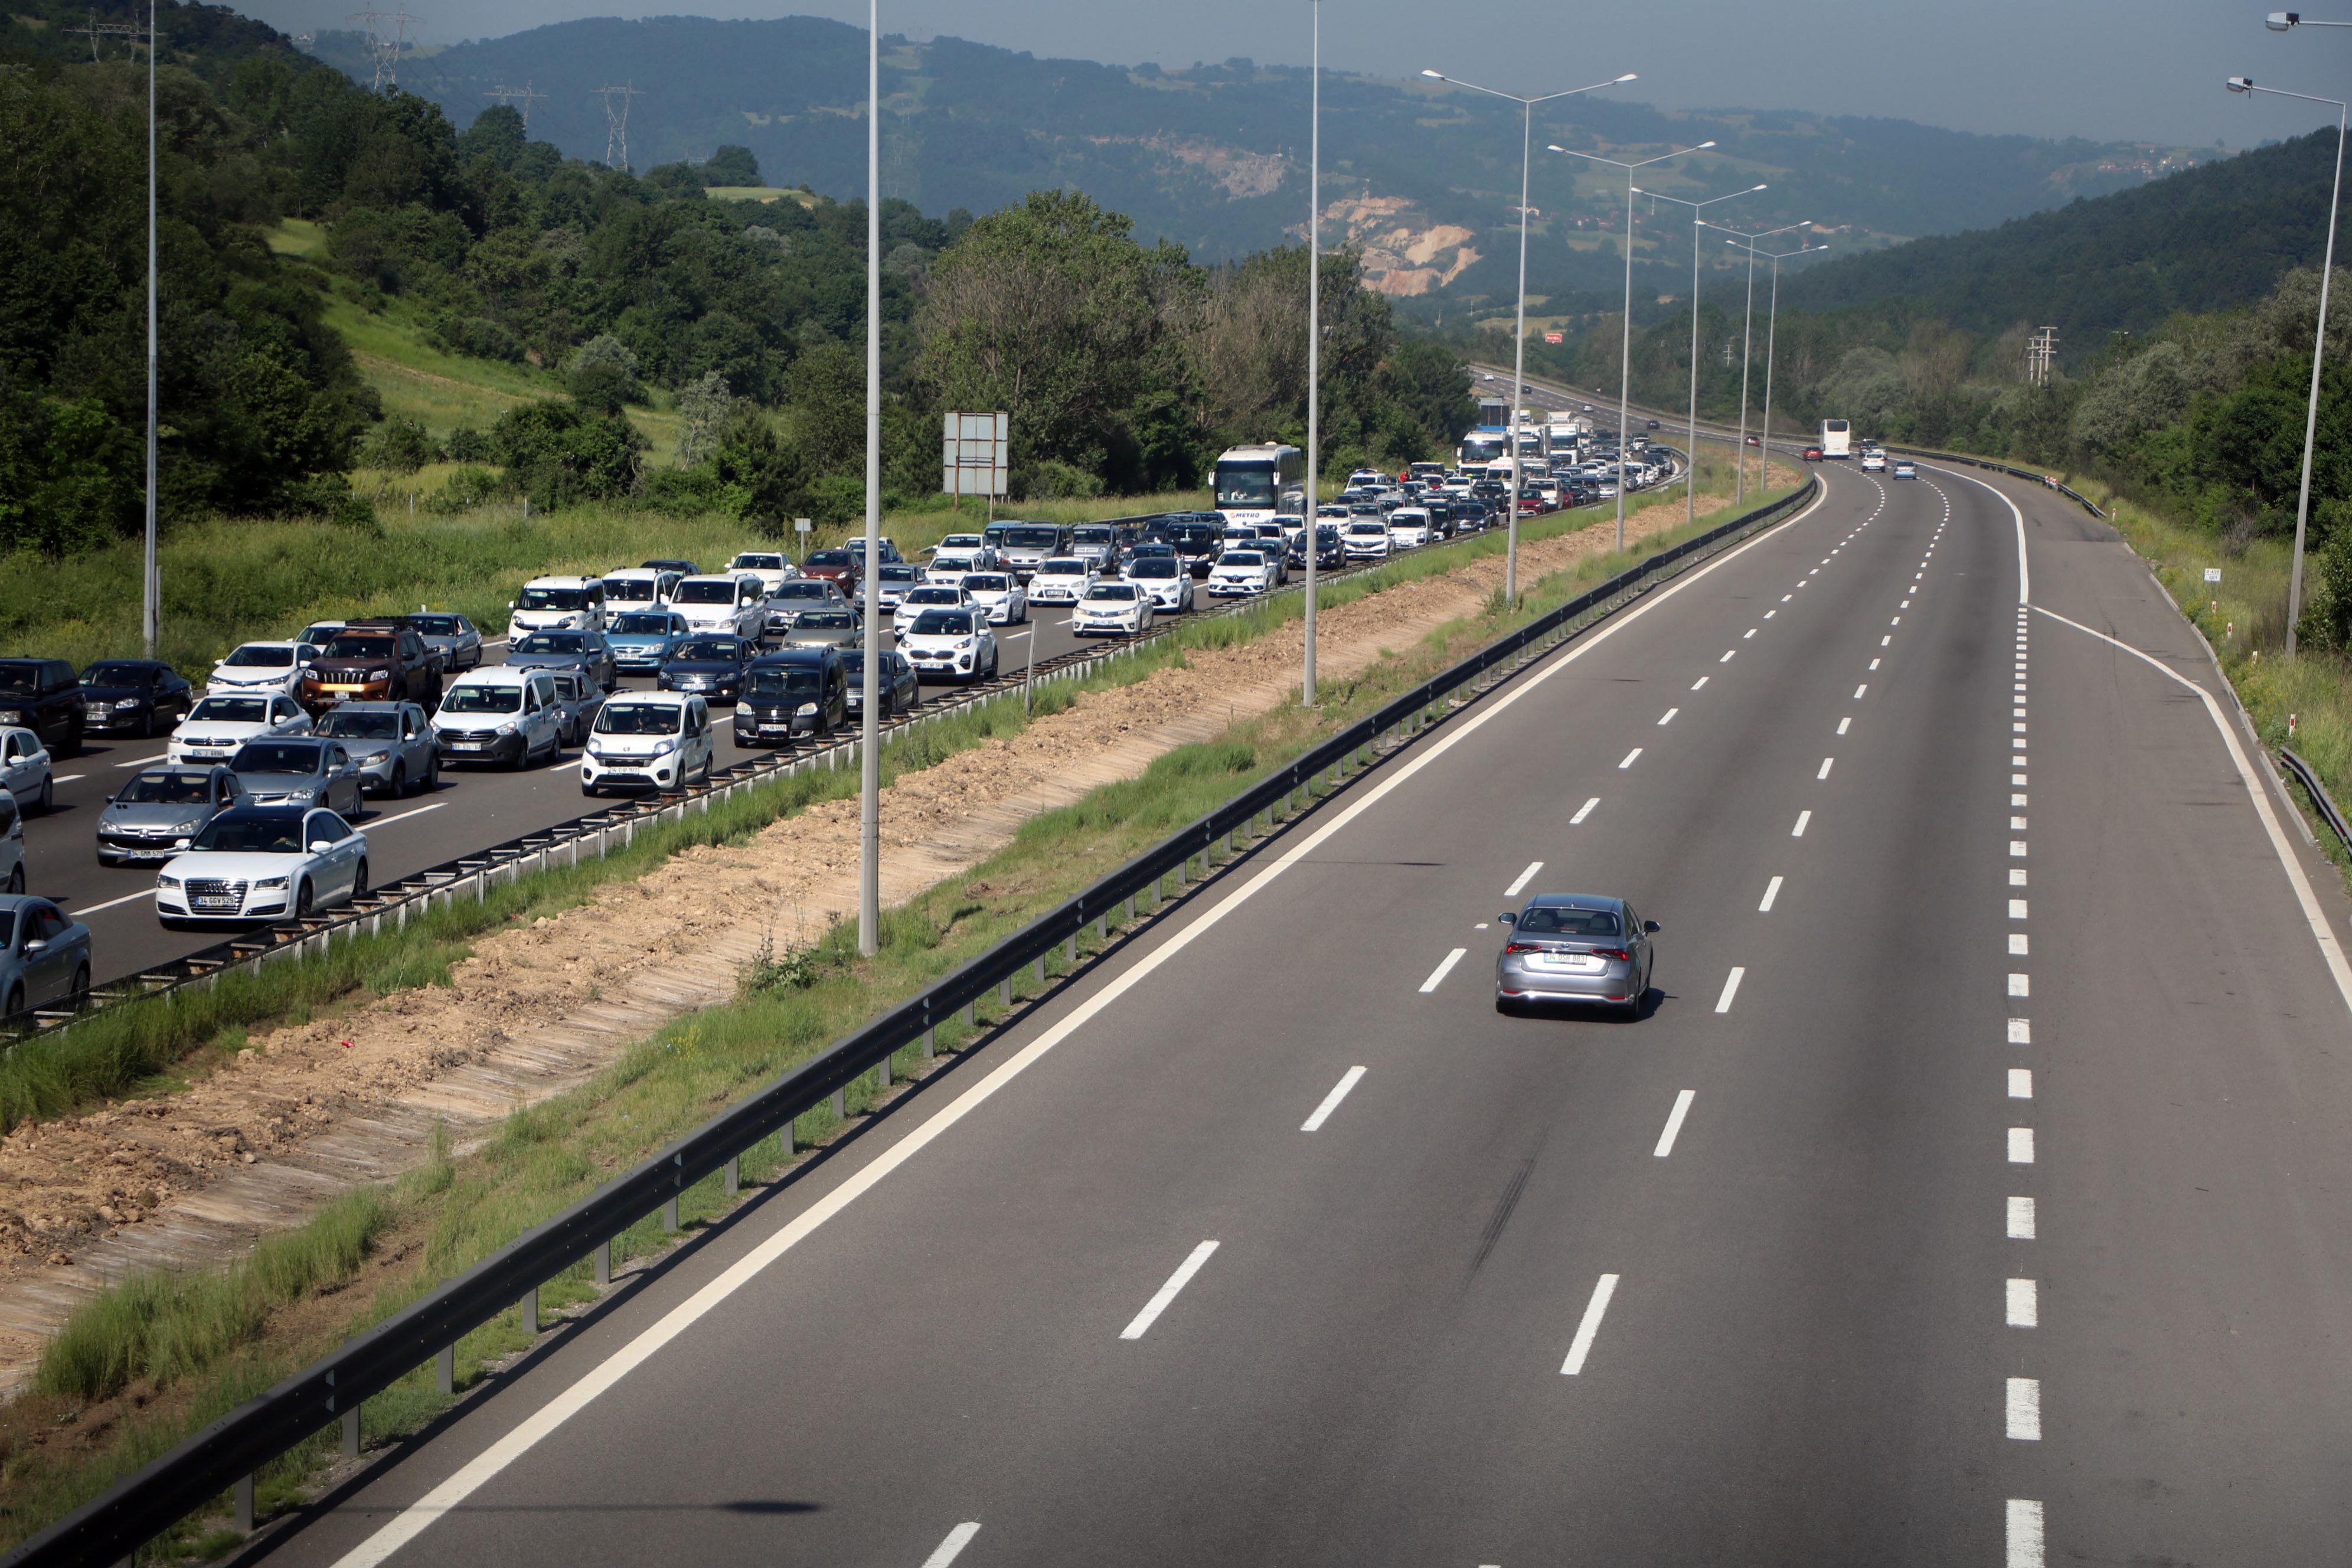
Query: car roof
(265, 813)
(562, 582)
(1575, 902)
(797, 655)
(371, 708)
(648, 699)
(495, 675)
(9, 902)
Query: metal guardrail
(2048, 481)
(2329, 812)
(226, 1454)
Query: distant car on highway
(771, 567)
(43, 956)
(1062, 580)
(1874, 462)
(456, 639)
(504, 716)
(631, 588)
(1164, 578)
(305, 771)
(1409, 527)
(557, 604)
(1575, 947)
(949, 645)
(1904, 470)
(391, 743)
(1812, 454)
(264, 862)
(1365, 539)
(683, 568)
(217, 725)
(587, 654)
(12, 845)
(380, 661)
(1112, 609)
(736, 605)
(133, 697)
(713, 666)
(800, 594)
(577, 697)
(930, 596)
(825, 628)
(900, 691)
(643, 640)
(156, 815)
(649, 741)
(838, 567)
(891, 585)
(797, 691)
(41, 695)
(1239, 573)
(26, 770)
(1000, 594)
(950, 566)
(262, 667)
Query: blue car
(643, 640)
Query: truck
(1837, 438)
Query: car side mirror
(321, 845)
(1507, 918)
(35, 945)
(1652, 926)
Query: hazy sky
(2119, 70)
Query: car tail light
(1618, 954)
(1525, 947)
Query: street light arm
(2246, 84)
(1521, 98)
(2280, 21)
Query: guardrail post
(245, 1502)
(882, 1071)
(1004, 991)
(930, 1041)
(1070, 951)
(841, 1104)
(352, 1432)
(971, 1015)
(445, 1368)
(669, 1214)
(604, 1261)
(1041, 969)
(734, 1175)
(529, 1311)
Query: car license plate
(217, 901)
(1582, 963)
(98, 713)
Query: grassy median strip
(152, 1359)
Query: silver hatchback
(1575, 947)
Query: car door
(48, 973)
(323, 833)
(16, 768)
(342, 782)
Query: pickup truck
(382, 661)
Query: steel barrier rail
(2328, 811)
(225, 1456)
(2048, 481)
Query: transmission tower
(97, 29)
(2040, 354)
(616, 124)
(517, 95)
(387, 38)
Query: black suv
(41, 695)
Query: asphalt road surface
(1970, 1192)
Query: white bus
(1837, 438)
(1260, 482)
(1482, 446)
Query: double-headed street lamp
(1625, 347)
(1746, 347)
(1690, 480)
(1519, 360)
(2280, 21)
(1771, 330)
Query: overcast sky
(2114, 69)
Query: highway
(472, 809)
(1968, 1192)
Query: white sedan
(948, 645)
(25, 769)
(1239, 573)
(1062, 580)
(217, 725)
(262, 667)
(264, 862)
(1365, 539)
(1001, 594)
(1112, 609)
(1164, 578)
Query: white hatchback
(1241, 572)
(1112, 609)
(262, 667)
(948, 645)
(1001, 594)
(218, 724)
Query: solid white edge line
(2329, 948)
(1525, 878)
(535, 1428)
(2024, 576)
(1595, 1309)
(404, 816)
(952, 1547)
(1167, 1292)
(1445, 967)
(1730, 988)
(126, 899)
(1348, 1081)
(1675, 1123)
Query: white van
(648, 740)
(557, 604)
(722, 602)
(505, 717)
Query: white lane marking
(1167, 1292)
(1769, 614)
(2321, 932)
(1802, 818)
(143, 762)
(1749, 633)
(68, 778)
(1726, 655)
(1584, 811)
(2021, 1031)
(404, 816)
(2020, 986)
(1523, 879)
(2016, 824)
(2021, 1219)
(1331, 1100)
(1786, 597)
(2017, 779)
(1581, 1346)
(413, 1520)
(1904, 605)
(127, 898)
(1860, 689)
(1895, 622)
(2016, 848)
(1874, 664)
(1445, 967)
(2017, 908)
(1843, 724)
(1669, 717)
(1675, 1123)
(2017, 944)
(2022, 1547)
(2020, 1145)
(1825, 768)
(1629, 758)
(1702, 681)
(2025, 580)
(2021, 1083)
(1884, 640)
(2023, 1409)
(2017, 876)
(952, 1547)
(1771, 891)
(1730, 988)
(2017, 801)
(2024, 1304)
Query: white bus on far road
(1837, 438)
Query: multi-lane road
(1969, 1192)
(471, 810)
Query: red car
(1812, 454)
(841, 567)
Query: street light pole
(1314, 335)
(2319, 334)
(1625, 343)
(1690, 480)
(869, 778)
(1771, 332)
(1747, 347)
(152, 610)
(1520, 355)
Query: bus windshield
(1245, 484)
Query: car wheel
(15, 1002)
(359, 880)
(153, 721)
(302, 898)
(398, 788)
(589, 790)
(48, 796)
(79, 998)
(73, 743)
(17, 878)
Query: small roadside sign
(1554, 337)
(2212, 573)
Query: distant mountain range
(1211, 156)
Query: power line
(97, 29)
(616, 124)
(387, 39)
(517, 95)
(2041, 355)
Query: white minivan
(500, 716)
(648, 740)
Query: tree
(731, 167)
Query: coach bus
(1261, 482)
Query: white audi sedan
(1112, 609)
(948, 645)
(263, 863)
(1240, 573)
(1001, 594)
(218, 725)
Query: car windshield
(277, 757)
(644, 623)
(639, 719)
(260, 656)
(111, 674)
(347, 644)
(951, 563)
(482, 700)
(830, 558)
(239, 834)
(988, 582)
(824, 621)
(1102, 593)
(231, 710)
(759, 563)
(1090, 536)
(721, 649)
(1062, 566)
(436, 626)
(1544, 920)
(784, 680)
(1152, 567)
(346, 725)
(1241, 558)
(704, 594)
(552, 642)
(895, 572)
(167, 789)
(555, 599)
(19, 680)
(943, 623)
(1032, 538)
(630, 590)
(1193, 536)
(1368, 528)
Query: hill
(2208, 238)
(1209, 156)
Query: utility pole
(616, 124)
(514, 96)
(1314, 339)
(869, 750)
(387, 38)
